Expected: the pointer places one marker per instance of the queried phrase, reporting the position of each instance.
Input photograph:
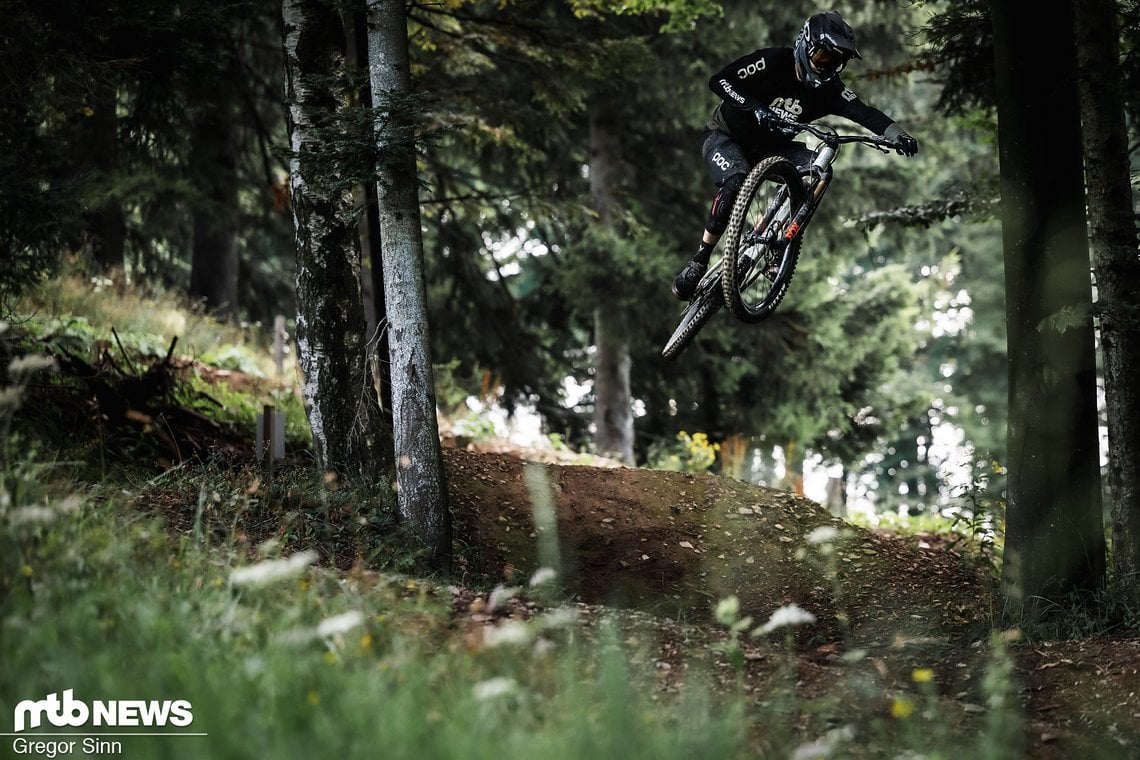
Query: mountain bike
(761, 244)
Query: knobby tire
(699, 311)
(767, 179)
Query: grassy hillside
(596, 612)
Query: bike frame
(818, 174)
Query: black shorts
(725, 157)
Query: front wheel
(759, 255)
(700, 310)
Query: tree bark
(339, 395)
(106, 223)
(368, 220)
(1054, 528)
(420, 482)
(1116, 265)
(613, 407)
(214, 258)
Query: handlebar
(829, 136)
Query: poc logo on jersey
(124, 712)
(848, 94)
(752, 68)
(720, 161)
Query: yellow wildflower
(901, 707)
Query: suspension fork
(816, 187)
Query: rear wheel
(759, 260)
(700, 310)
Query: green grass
(85, 311)
(112, 606)
(100, 596)
(101, 593)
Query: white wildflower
(494, 687)
(500, 595)
(511, 632)
(26, 365)
(10, 396)
(825, 746)
(542, 575)
(727, 610)
(272, 570)
(559, 618)
(340, 623)
(70, 505)
(332, 626)
(823, 535)
(32, 516)
(788, 615)
(42, 515)
(296, 637)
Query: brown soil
(671, 545)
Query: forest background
(961, 335)
(149, 143)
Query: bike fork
(803, 214)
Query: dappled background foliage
(885, 364)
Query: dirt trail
(672, 545)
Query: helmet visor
(827, 61)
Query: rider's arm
(876, 121)
(849, 106)
(730, 82)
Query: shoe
(686, 283)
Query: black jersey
(768, 78)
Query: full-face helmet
(824, 46)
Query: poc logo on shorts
(752, 68)
(720, 161)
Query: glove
(905, 145)
(768, 119)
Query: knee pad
(722, 204)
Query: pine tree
(1054, 534)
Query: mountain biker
(800, 83)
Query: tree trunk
(355, 19)
(214, 259)
(420, 480)
(793, 479)
(368, 220)
(339, 396)
(1054, 527)
(106, 223)
(613, 407)
(1117, 267)
(835, 495)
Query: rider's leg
(728, 166)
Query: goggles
(827, 61)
